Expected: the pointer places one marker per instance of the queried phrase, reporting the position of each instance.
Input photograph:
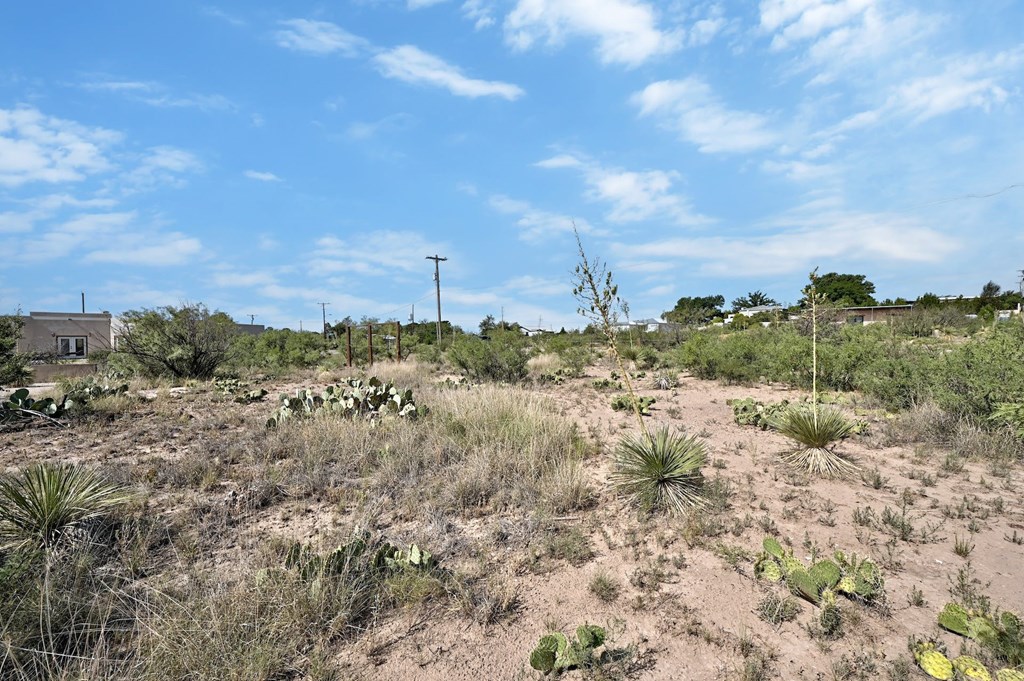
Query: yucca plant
(42, 502)
(813, 430)
(816, 431)
(662, 470)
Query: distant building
(751, 311)
(871, 314)
(649, 325)
(68, 335)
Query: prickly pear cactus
(549, 649)
(954, 618)
(933, 662)
(555, 652)
(847, 585)
(972, 668)
(773, 548)
(1009, 675)
(825, 573)
(768, 569)
(791, 563)
(802, 584)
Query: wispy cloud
(261, 176)
(480, 12)
(375, 253)
(157, 94)
(39, 148)
(319, 37)
(218, 13)
(410, 64)
(626, 31)
(160, 166)
(363, 130)
(799, 241)
(634, 196)
(534, 224)
(691, 108)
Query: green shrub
(503, 358)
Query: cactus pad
(971, 668)
(954, 618)
(771, 571)
(803, 585)
(791, 563)
(773, 548)
(934, 663)
(825, 573)
(1009, 675)
(590, 635)
(847, 585)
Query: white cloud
(634, 196)
(39, 148)
(691, 108)
(161, 166)
(218, 13)
(158, 95)
(534, 224)
(532, 286)
(480, 12)
(799, 242)
(626, 30)
(319, 37)
(376, 253)
(261, 176)
(362, 130)
(412, 65)
(149, 249)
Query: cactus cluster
(20, 407)
(606, 384)
(847, 575)
(933, 661)
(556, 652)
(361, 553)
(91, 388)
(751, 412)
(369, 399)
(238, 390)
(623, 402)
(1002, 634)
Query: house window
(71, 346)
(856, 319)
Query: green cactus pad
(802, 584)
(773, 548)
(825, 573)
(590, 635)
(770, 570)
(972, 668)
(847, 585)
(954, 618)
(791, 563)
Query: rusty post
(369, 341)
(398, 339)
(348, 345)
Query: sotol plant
(659, 470)
(41, 503)
(815, 431)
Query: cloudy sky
(263, 158)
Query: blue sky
(263, 158)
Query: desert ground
(218, 496)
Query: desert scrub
(662, 471)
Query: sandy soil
(695, 620)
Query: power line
(323, 309)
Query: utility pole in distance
(323, 308)
(437, 280)
(252, 319)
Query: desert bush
(184, 342)
(816, 432)
(277, 349)
(13, 364)
(503, 358)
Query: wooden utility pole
(323, 308)
(437, 280)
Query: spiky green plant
(39, 504)
(661, 471)
(816, 433)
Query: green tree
(13, 365)
(752, 299)
(928, 300)
(487, 324)
(184, 342)
(990, 290)
(845, 290)
(696, 310)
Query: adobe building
(69, 335)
